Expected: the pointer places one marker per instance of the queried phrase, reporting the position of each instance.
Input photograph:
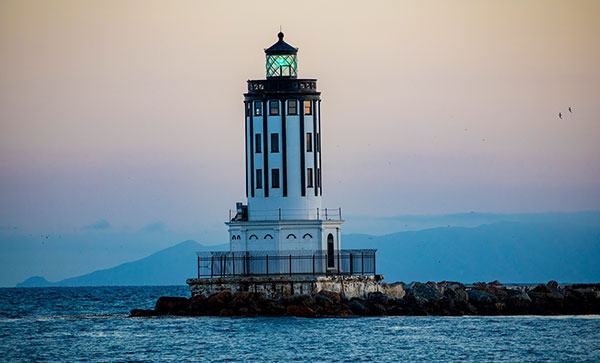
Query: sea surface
(90, 324)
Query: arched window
(268, 236)
(307, 236)
(291, 235)
(239, 238)
(232, 238)
(255, 237)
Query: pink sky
(132, 111)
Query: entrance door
(330, 252)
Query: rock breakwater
(442, 298)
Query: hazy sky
(131, 112)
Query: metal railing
(273, 263)
(323, 214)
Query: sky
(129, 114)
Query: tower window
(309, 147)
(257, 108)
(309, 177)
(258, 144)
(258, 178)
(275, 178)
(307, 107)
(292, 107)
(274, 143)
(274, 108)
(248, 108)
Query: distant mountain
(386, 225)
(507, 251)
(171, 266)
(35, 281)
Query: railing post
(244, 264)
(317, 213)
(267, 265)
(339, 267)
(230, 215)
(351, 265)
(223, 262)
(340, 213)
(233, 262)
(279, 213)
(362, 263)
(325, 213)
(212, 265)
(313, 264)
(374, 270)
(198, 266)
(290, 265)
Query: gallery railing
(273, 263)
(281, 214)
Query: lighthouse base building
(282, 241)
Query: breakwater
(415, 299)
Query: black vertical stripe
(302, 167)
(314, 140)
(251, 149)
(320, 176)
(265, 149)
(246, 142)
(284, 147)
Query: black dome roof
(281, 47)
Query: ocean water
(91, 325)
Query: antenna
(280, 28)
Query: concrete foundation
(280, 286)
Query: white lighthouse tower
(283, 164)
(282, 241)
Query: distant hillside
(387, 225)
(508, 251)
(171, 266)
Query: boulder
(198, 305)
(429, 291)
(323, 301)
(333, 296)
(455, 293)
(378, 298)
(493, 288)
(220, 298)
(357, 307)
(481, 297)
(226, 312)
(300, 311)
(444, 285)
(514, 294)
(394, 290)
(272, 307)
(337, 310)
(172, 305)
(376, 310)
(541, 288)
(552, 285)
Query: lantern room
(281, 59)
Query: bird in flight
(560, 115)
(571, 111)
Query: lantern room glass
(281, 65)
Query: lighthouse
(282, 240)
(283, 133)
